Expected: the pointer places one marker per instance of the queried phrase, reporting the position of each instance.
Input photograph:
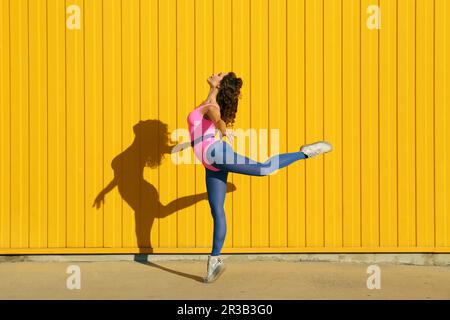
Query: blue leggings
(223, 157)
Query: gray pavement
(243, 279)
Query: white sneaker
(314, 149)
(215, 267)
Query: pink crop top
(198, 127)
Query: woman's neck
(212, 95)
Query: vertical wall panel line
(342, 121)
(194, 103)
(84, 123)
(159, 101)
(323, 121)
(415, 116)
(103, 121)
(103, 116)
(65, 110)
(360, 131)
(28, 97)
(176, 112)
(140, 145)
(10, 127)
(378, 92)
(396, 110)
(47, 156)
(286, 122)
(268, 113)
(304, 117)
(121, 105)
(434, 120)
(250, 118)
(232, 176)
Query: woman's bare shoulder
(208, 106)
(207, 103)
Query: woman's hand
(229, 135)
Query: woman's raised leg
(223, 157)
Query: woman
(218, 111)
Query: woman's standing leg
(216, 185)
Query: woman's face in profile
(214, 79)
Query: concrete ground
(241, 280)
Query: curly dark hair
(227, 97)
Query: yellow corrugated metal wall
(313, 69)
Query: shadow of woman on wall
(150, 145)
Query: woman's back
(199, 126)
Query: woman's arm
(213, 114)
